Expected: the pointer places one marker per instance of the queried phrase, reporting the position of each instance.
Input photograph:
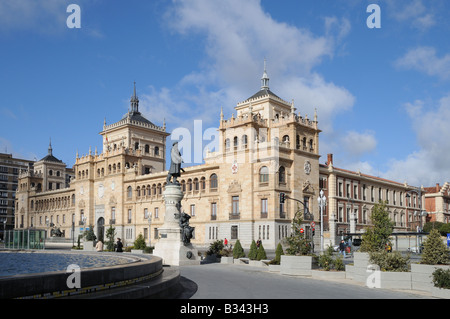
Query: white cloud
(357, 144)
(428, 165)
(425, 59)
(412, 12)
(239, 35)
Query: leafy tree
(296, 243)
(261, 254)
(377, 236)
(110, 235)
(434, 250)
(238, 251)
(139, 243)
(253, 251)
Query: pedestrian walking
(225, 242)
(342, 248)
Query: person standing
(119, 246)
(225, 242)
(99, 246)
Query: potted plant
(441, 281)
(274, 264)
(434, 256)
(298, 259)
(89, 238)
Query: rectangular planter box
(257, 263)
(226, 260)
(88, 246)
(422, 276)
(274, 268)
(296, 265)
(241, 261)
(359, 271)
(395, 280)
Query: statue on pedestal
(175, 165)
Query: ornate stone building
(267, 148)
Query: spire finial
(221, 113)
(50, 150)
(134, 102)
(265, 78)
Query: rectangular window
(264, 208)
(156, 212)
(234, 232)
(145, 213)
(235, 205)
(213, 211)
(192, 210)
(129, 216)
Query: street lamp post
(322, 200)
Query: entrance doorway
(101, 229)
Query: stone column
(170, 246)
(332, 225)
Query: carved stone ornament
(234, 187)
(307, 167)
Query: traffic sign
(301, 230)
(313, 224)
(448, 240)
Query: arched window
(136, 145)
(311, 144)
(264, 175)
(196, 186)
(156, 151)
(129, 192)
(213, 182)
(235, 142)
(282, 175)
(147, 148)
(203, 183)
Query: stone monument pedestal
(170, 246)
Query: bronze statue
(186, 230)
(175, 165)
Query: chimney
(437, 187)
(330, 159)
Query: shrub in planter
(215, 248)
(139, 243)
(261, 254)
(434, 250)
(238, 251)
(325, 259)
(253, 251)
(278, 252)
(226, 252)
(393, 261)
(339, 263)
(441, 278)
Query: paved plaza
(226, 281)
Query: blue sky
(382, 95)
